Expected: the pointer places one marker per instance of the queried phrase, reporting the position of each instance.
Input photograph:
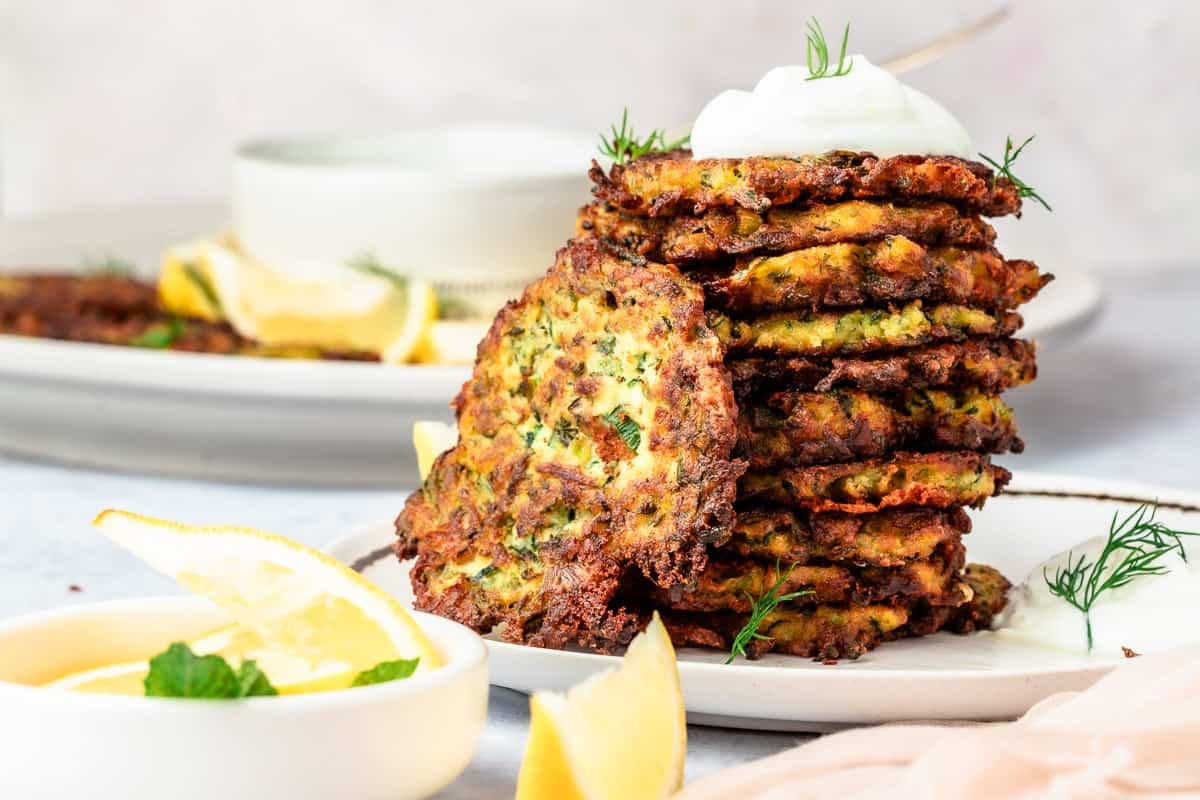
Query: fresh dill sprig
(760, 609)
(109, 264)
(624, 145)
(1142, 542)
(367, 263)
(1005, 170)
(816, 53)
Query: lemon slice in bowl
(619, 734)
(309, 621)
(430, 440)
(123, 678)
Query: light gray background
(131, 101)
(125, 102)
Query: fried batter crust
(722, 232)
(990, 595)
(824, 632)
(894, 269)
(669, 183)
(542, 508)
(934, 480)
(801, 428)
(827, 333)
(885, 539)
(733, 585)
(991, 365)
(117, 310)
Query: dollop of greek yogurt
(1150, 614)
(788, 115)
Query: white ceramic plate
(246, 418)
(984, 676)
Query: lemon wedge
(620, 734)
(185, 284)
(356, 310)
(310, 622)
(430, 440)
(451, 342)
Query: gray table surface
(1118, 401)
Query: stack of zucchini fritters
(868, 322)
(744, 379)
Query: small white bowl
(477, 209)
(403, 739)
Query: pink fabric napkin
(1135, 733)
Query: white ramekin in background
(480, 210)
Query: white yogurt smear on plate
(788, 115)
(1152, 613)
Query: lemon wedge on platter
(430, 440)
(372, 310)
(620, 734)
(451, 342)
(310, 622)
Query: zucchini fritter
(723, 232)
(733, 585)
(594, 441)
(885, 539)
(799, 428)
(119, 310)
(668, 183)
(858, 331)
(824, 632)
(934, 480)
(890, 270)
(992, 365)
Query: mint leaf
(252, 681)
(386, 671)
(179, 672)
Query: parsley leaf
(179, 672)
(160, 337)
(625, 426)
(386, 671)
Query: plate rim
(1050, 485)
(227, 376)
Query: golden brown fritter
(829, 333)
(594, 443)
(884, 539)
(670, 183)
(990, 595)
(800, 428)
(723, 232)
(933, 480)
(734, 585)
(120, 310)
(824, 632)
(991, 365)
(890, 270)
